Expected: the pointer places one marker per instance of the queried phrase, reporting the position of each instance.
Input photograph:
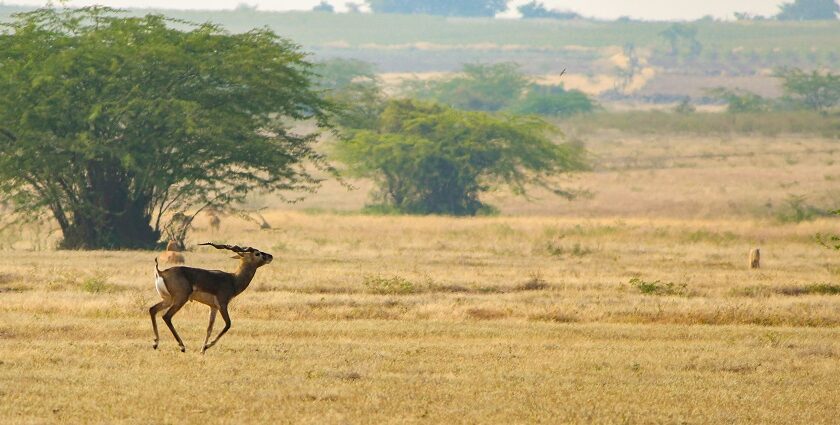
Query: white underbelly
(160, 285)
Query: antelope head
(250, 256)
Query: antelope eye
(259, 254)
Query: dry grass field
(632, 305)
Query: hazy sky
(610, 9)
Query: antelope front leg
(209, 329)
(226, 317)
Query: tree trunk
(128, 230)
(111, 216)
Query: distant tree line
(798, 10)
(486, 8)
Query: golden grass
(511, 319)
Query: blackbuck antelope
(215, 221)
(172, 254)
(215, 288)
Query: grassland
(632, 306)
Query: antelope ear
(236, 257)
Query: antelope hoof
(183, 349)
(155, 345)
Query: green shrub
(796, 210)
(738, 101)
(394, 285)
(553, 101)
(96, 284)
(658, 287)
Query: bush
(739, 101)
(96, 284)
(796, 210)
(657, 287)
(817, 91)
(394, 285)
(553, 101)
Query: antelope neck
(243, 276)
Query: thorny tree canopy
(108, 122)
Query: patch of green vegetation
(96, 284)
(796, 210)
(658, 287)
(554, 101)
(394, 285)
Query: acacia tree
(814, 90)
(108, 123)
(432, 159)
